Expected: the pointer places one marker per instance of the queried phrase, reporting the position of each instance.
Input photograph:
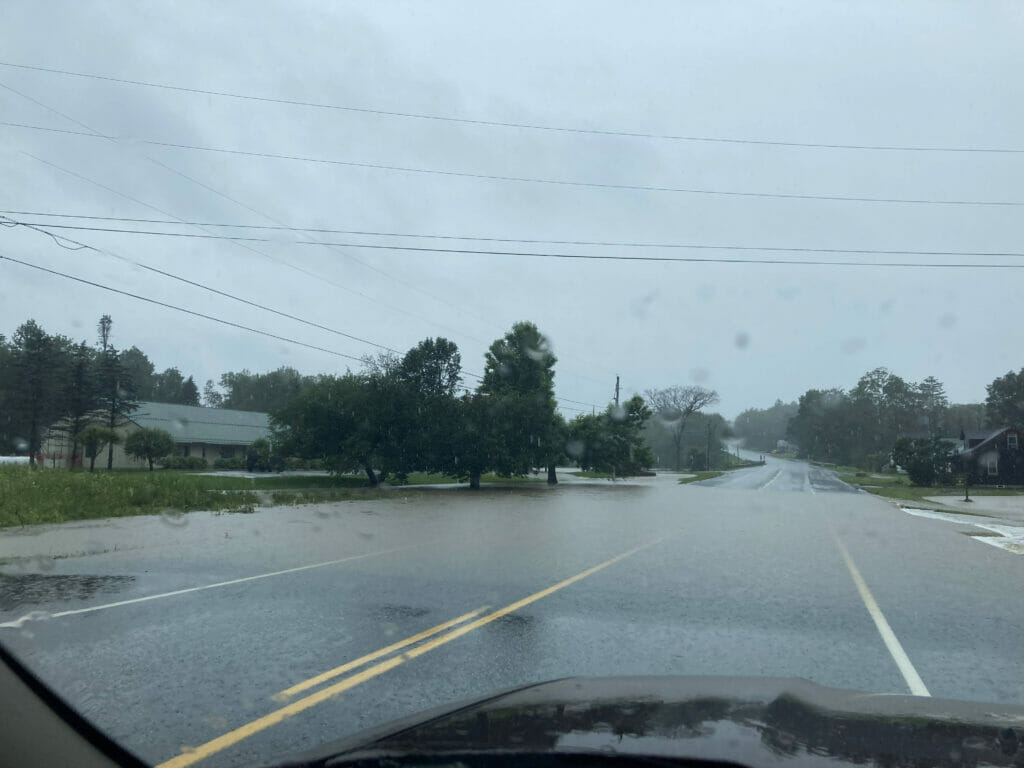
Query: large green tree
(518, 388)
(141, 370)
(1004, 406)
(612, 441)
(38, 368)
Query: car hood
(751, 721)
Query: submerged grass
(31, 496)
(698, 476)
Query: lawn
(30, 496)
(899, 487)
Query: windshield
(360, 358)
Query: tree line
(413, 413)
(82, 391)
(861, 426)
(396, 415)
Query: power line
(177, 308)
(221, 194)
(616, 257)
(410, 235)
(93, 133)
(632, 134)
(479, 239)
(207, 288)
(220, 293)
(530, 179)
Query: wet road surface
(177, 631)
(781, 475)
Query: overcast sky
(927, 74)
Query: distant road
(780, 475)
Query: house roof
(992, 435)
(983, 434)
(192, 424)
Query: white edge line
(36, 614)
(913, 680)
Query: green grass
(899, 487)
(31, 496)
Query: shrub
(235, 463)
(294, 463)
(183, 462)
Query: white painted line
(914, 681)
(774, 478)
(36, 615)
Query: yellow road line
(774, 478)
(312, 682)
(194, 755)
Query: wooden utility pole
(616, 390)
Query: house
(992, 455)
(208, 433)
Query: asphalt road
(189, 629)
(780, 475)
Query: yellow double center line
(195, 754)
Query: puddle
(21, 590)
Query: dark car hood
(751, 721)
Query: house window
(993, 467)
(204, 450)
(1011, 440)
(185, 451)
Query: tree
(167, 386)
(93, 440)
(211, 397)
(116, 390)
(1004, 406)
(429, 375)
(519, 384)
(149, 444)
(675, 405)
(37, 372)
(189, 392)
(137, 366)
(329, 420)
(264, 392)
(80, 398)
(934, 406)
(611, 441)
(925, 459)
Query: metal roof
(192, 424)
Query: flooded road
(171, 632)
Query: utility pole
(616, 390)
